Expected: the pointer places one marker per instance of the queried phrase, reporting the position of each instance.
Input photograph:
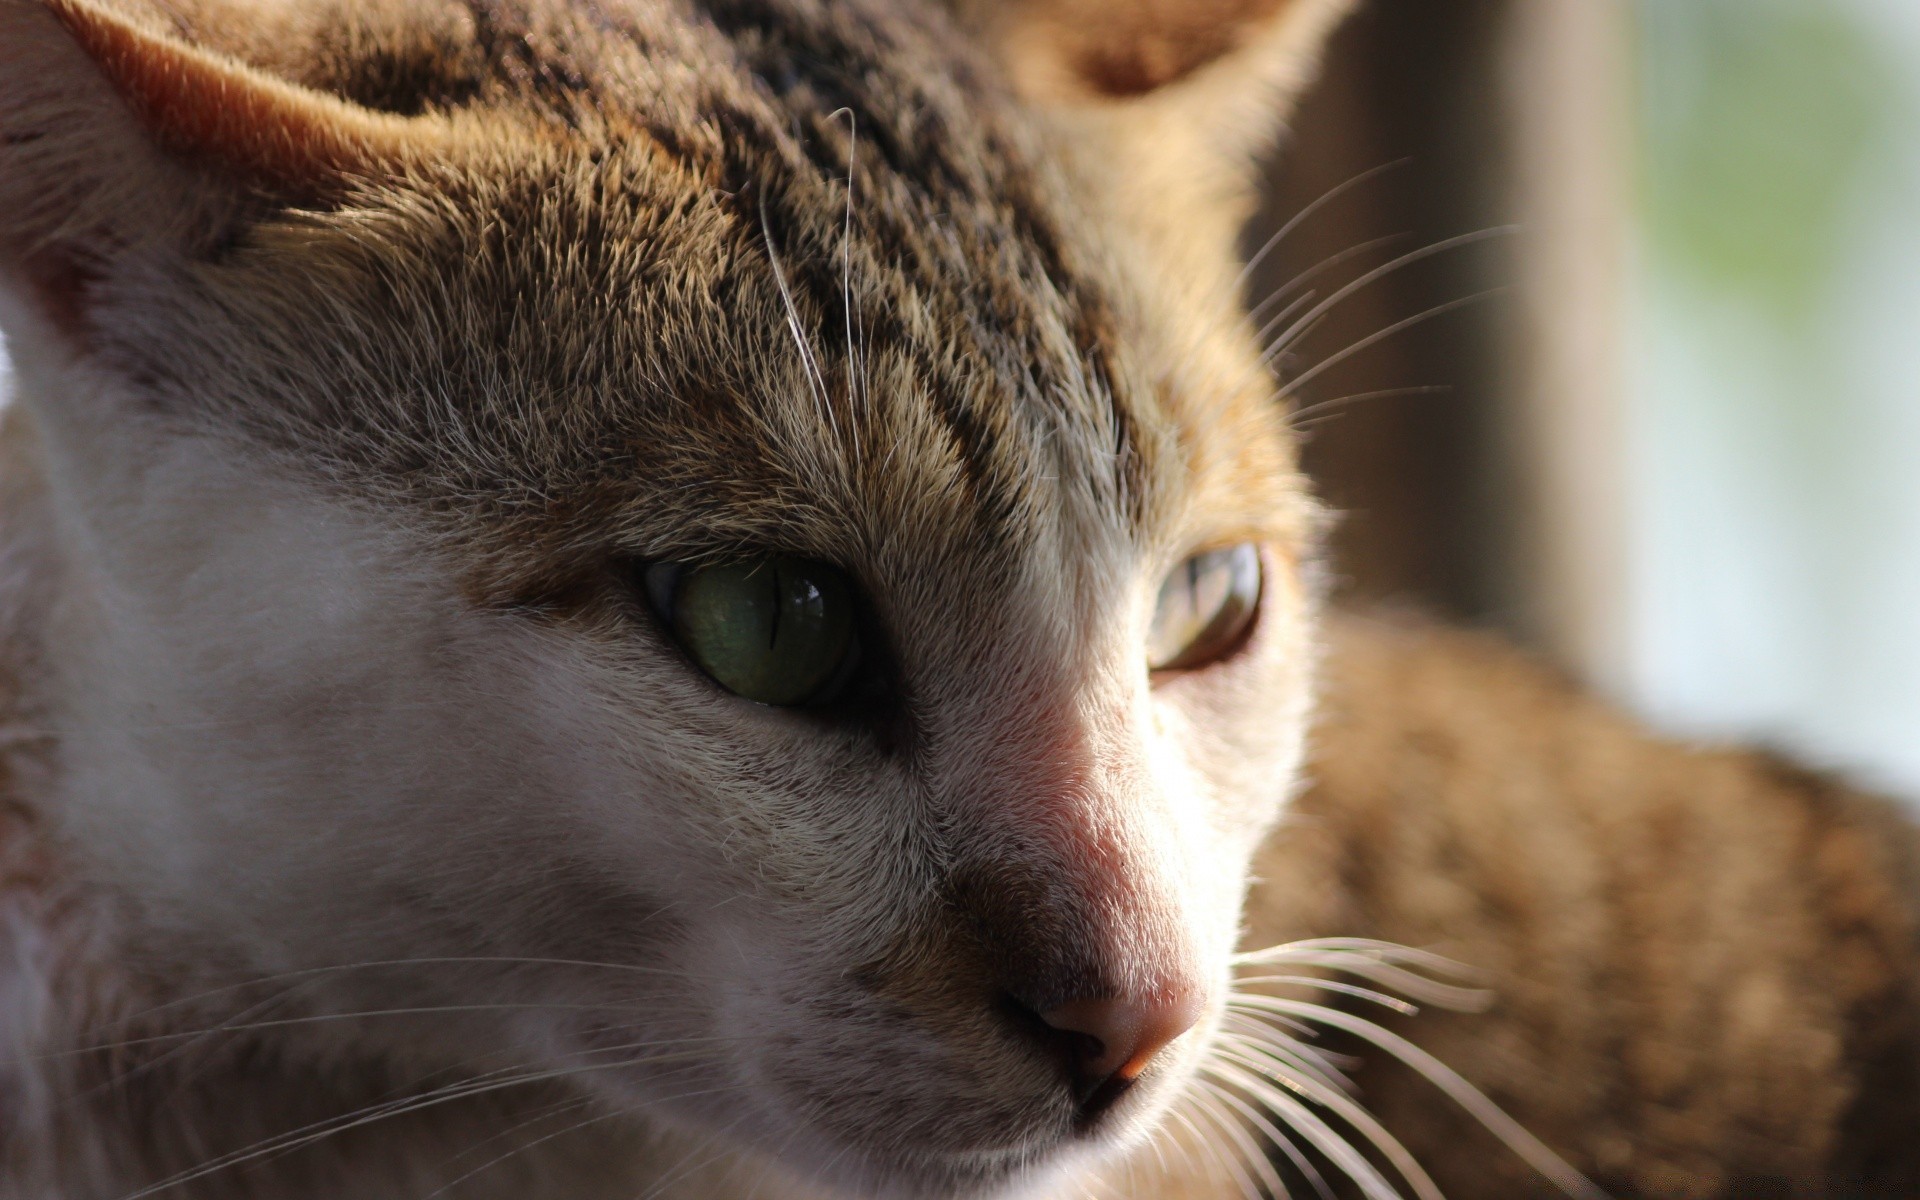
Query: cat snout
(1095, 956)
(1109, 1041)
(1104, 1014)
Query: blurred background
(1605, 317)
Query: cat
(713, 599)
(622, 584)
(1703, 960)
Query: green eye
(1205, 608)
(775, 630)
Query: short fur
(343, 430)
(364, 834)
(1704, 960)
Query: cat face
(719, 553)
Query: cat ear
(1061, 51)
(1166, 103)
(115, 135)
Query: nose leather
(1120, 1036)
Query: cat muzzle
(1111, 1041)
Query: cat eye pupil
(1205, 607)
(776, 630)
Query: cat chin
(772, 1137)
(1022, 1174)
(964, 1121)
(840, 1163)
(1030, 1163)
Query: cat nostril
(1120, 1037)
(1111, 1041)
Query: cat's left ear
(121, 141)
(1063, 51)
(1167, 102)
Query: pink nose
(1118, 1038)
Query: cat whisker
(1260, 1065)
(1256, 1079)
(1211, 1104)
(1361, 949)
(1275, 1135)
(1536, 1154)
(780, 1153)
(1266, 1021)
(1260, 311)
(1300, 218)
(1323, 1137)
(193, 1040)
(470, 1071)
(1371, 995)
(558, 1108)
(1251, 1170)
(526, 1148)
(1303, 1065)
(1384, 963)
(1287, 338)
(856, 350)
(1213, 1163)
(464, 1073)
(1166, 1139)
(691, 1162)
(810, 364)
(320, 1019)
(1159, 1149)
(1288, 313)
(833, 1161)
(1313, 415)
(1365, 343)
(1269, 323)
(319, 1131)
(300, 975)
(579, 1125)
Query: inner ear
(1168, 87)
(231, 119)
(1130, 48)
(1161, 105)
(117, 138)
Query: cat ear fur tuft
(117, 136)
(1063, 51)
(1162, 107)
(233, 120)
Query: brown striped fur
(1704, 959)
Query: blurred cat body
(368, 835)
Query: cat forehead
(701, 278)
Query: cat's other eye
(775, 630)
(1205, 608)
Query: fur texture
(347, 427)
(1704, 961)
(365, 833)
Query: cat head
(741, 553)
